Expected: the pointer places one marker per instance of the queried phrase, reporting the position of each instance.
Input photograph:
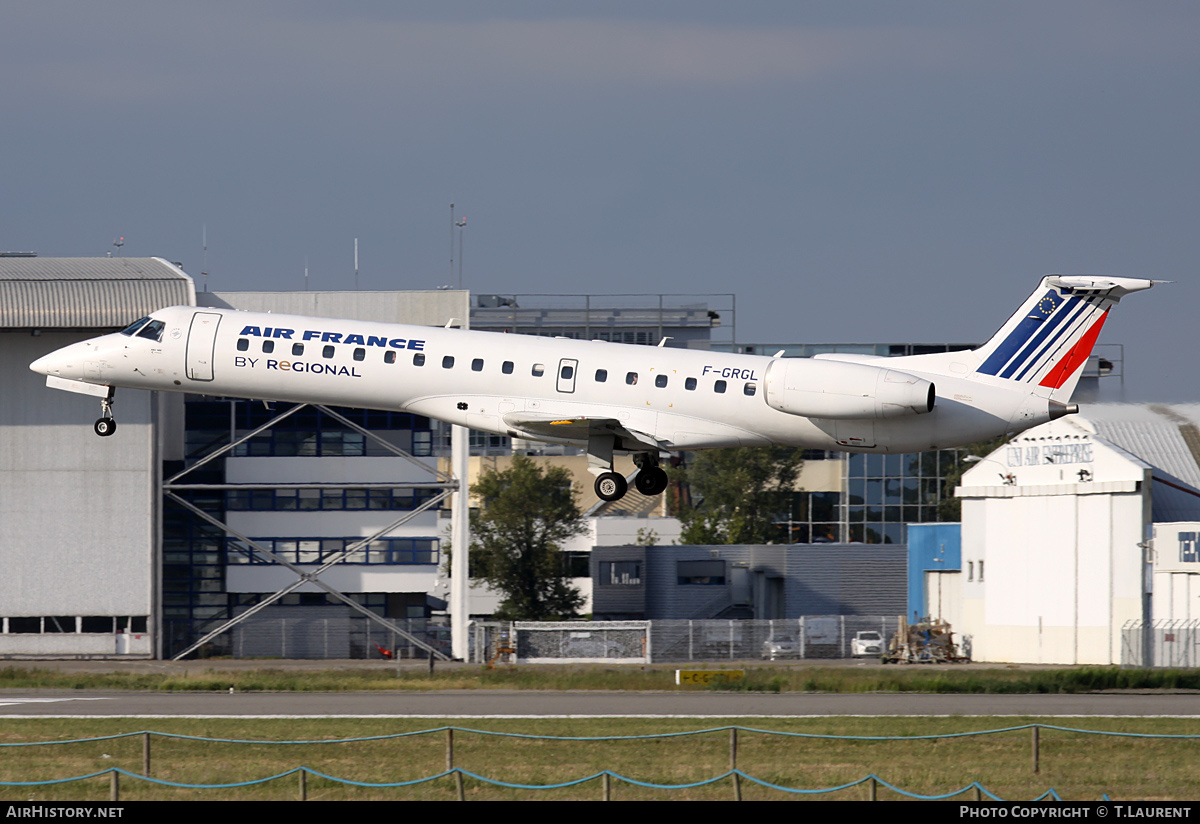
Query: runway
(542, 704)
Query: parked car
(781, 646)
(865, 643)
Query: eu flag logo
(1046, 306)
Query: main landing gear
(106, 424)
(651, 480)
(612, 486)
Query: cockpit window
(152, 330)
(133, 327)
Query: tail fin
(1048, 340)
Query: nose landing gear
(106, 424)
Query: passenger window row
(507, 367)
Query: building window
(323, 550)
(620, 573)
(327, 500)
(700, 573)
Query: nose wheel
(106, 424)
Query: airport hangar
(1079, 543)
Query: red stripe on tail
(1076, 358)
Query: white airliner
(609, 397)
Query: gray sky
(866, 171)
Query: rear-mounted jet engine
(839, 391)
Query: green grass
(1078, 766)
(999, 680)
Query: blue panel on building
(936, 547)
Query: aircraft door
(201, 345)
(567, 368)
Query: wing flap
(579, 428)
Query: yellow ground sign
(708, 676)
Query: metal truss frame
(445, 483)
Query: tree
(742, 495)
(525, 513)
(949, 507)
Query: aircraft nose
(45, 365)
(64, 362)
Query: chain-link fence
(815, 636)
(1164, 643)
(331, 637)
(348, 636)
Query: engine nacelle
(839, 390)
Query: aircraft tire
(651, 481)
(611, 487)
(105, 427)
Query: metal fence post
(1034, 743)
(302, 781)
(458, 778)
(737, 779)
(114, 785)
(146, 754)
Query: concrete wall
(421, 308)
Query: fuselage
(679, 398)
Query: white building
(1071, 535)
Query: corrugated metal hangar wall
(79, 524)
